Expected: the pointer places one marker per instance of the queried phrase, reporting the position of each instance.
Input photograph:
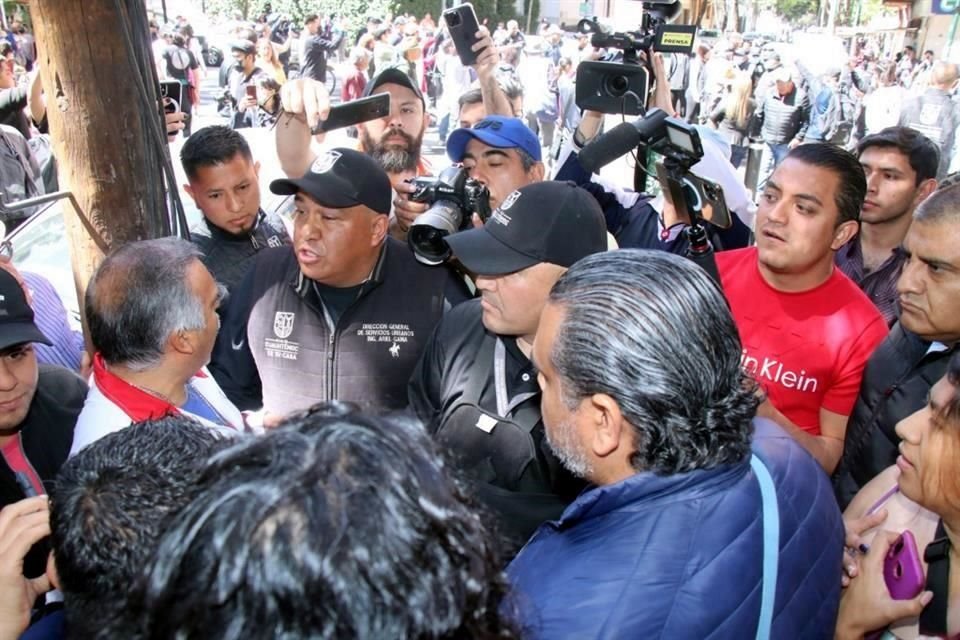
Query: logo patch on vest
(283, 324)
(509, 201)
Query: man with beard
(39, 405)
(394, 141)
(223, 182)
(345, 313)
(664, 429)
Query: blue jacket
(631, 218)
(681, 556)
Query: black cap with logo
(16, 316)
(341, 178)
(555, 222)
(392, 75)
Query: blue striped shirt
(51, 318)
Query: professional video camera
(621, 87)
(679, 144)
(453, 197)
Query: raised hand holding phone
(463, 27)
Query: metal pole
(3, 14)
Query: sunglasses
(6, 250)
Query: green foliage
(797, 11)
(356, 11)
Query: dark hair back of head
(108, 508)
(852, 187)
(211, 146)
(921, 151)
(654, 332)
(335, 525)
(943, 205)
(470, 97)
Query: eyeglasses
(6, 250)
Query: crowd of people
(293, 425)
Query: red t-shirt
(807, 349)
(353, 86)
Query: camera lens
(616, 85)
(453, 19)
(427, 235)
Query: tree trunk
(735, 16)
(99, 135)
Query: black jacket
(227, 255)
(895, 384)
(279, 348)
(935, 115)
(512, 468)
(46, 435)
(782, 119)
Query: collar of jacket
(132, 400)
(220, 235)
(301, 283)
(647, 488)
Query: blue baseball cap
(496, 131)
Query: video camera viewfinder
(610, 86)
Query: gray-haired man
(152, 311)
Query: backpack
(179, 58)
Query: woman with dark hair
(920, 494)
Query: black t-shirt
(178, 60)
(337, 299)
(313, 63)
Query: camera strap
(933, 619)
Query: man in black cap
(394, 141)
(344, 313)
(475, 386)
(243, 74)
(39, 405)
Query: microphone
(622, 139)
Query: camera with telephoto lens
(453, 196)
(619, 85)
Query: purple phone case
(902, 568)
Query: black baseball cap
(555, 222)
(243, 46)
(341, 178)
(393, 75)
(16, 316)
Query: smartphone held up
(463, 27)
